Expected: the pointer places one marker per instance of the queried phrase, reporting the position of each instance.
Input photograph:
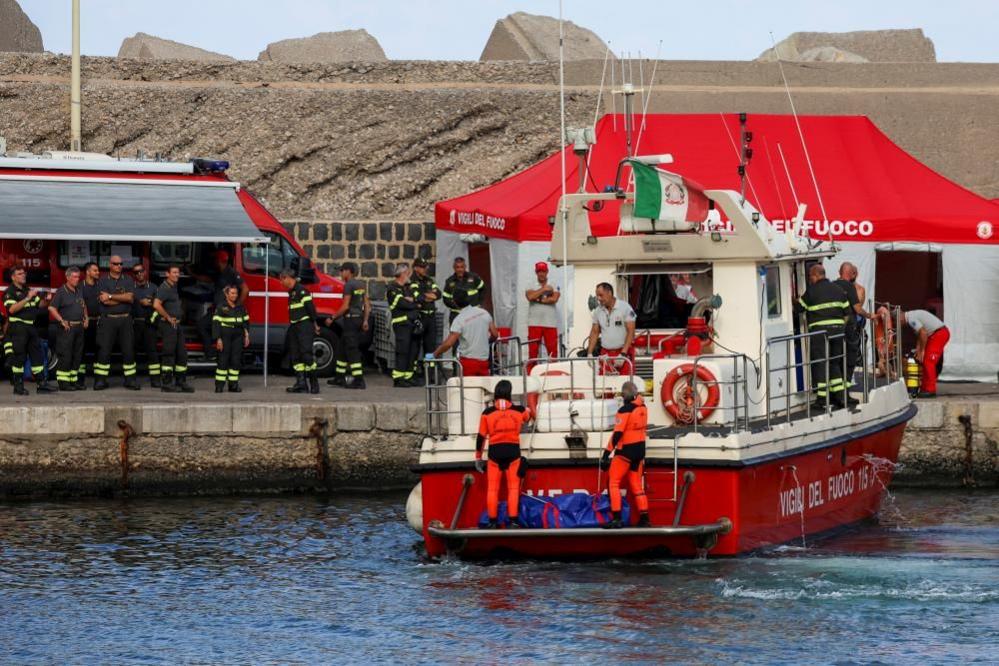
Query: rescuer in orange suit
(500, 428)
(628, 445)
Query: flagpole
(562, 210)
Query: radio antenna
(801, 134)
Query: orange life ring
(532, 398)
(679, 400)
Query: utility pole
(75, 142)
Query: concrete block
(186, 418)
(391, 417)
(52, 420)
(930, 416)
(988, 414)
(312, 411)
(266, 418)
(416, 417)
(952, 410)
(130, 415)
(359, 417)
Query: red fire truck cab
(66, 209)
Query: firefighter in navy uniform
(92, 299)
(500, 426)
(464, 279)
(115, 326)
(826, 308)
(231, 333)
(143, 328)
(24, 305)
(401, 297)
(68, 312)
(302, 331)
(627, 443)
(428, 295)
(168, 310)
(352, 320)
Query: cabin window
(771, 281)
(79, 252)
(282, 256)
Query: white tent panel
(971, 300)
(449, 246)
(505, 265)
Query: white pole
(267, 306)
(563, 212)
(75, 143)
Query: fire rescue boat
(739, 457)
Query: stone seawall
(251, 448)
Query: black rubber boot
(219, 386)
(357, 383)
(492, 524)
(300, 385)
(513, 524)
(18, 382)
(615, 522)
(81, 383)
(182, 385)
(132, 384)
(42, 386)
(234, 387)
(100, 384)
(313, 383)
(65, 386)
(643, 520)
(338, 380)
(167, 383)
(401, 383)
(154, 381)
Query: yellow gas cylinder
(913, 375)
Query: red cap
(222, 255)
(541, 266)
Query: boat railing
(739, 380)
(788, 372)
(437, 371)
(889, 348)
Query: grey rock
(523, 36)
(149, 47)
(871, 45)
(326, 47)
(17, 32)
(830, 54)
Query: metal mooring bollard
(127, 431)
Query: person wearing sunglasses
(114, 328)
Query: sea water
(342, 579)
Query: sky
(962, 30)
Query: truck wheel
(322, 349)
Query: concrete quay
(266, 440)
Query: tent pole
(267, 306)
(563, 212)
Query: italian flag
(661, 195)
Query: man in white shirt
(471, 330)
(542, 317)
(932, 337)
(614, 325)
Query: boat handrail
(438, 409)
(736, 381)
(805, 365)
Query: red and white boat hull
(771, 501)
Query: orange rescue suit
(628, 439)
(500, 426)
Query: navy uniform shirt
(356, 290)
(122, 285)
(31, 309)
(170, 298)
(300, 305)
(140, 311)
(69, 304)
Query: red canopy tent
(935, 239)
(871, 189)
